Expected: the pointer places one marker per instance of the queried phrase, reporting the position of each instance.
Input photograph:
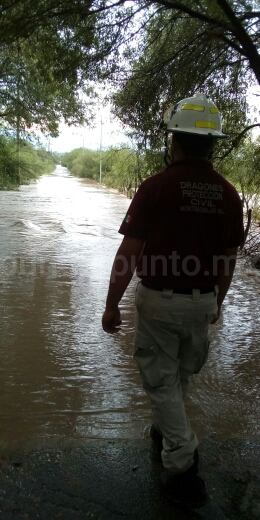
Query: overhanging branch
(237, 139)
(249, 49)
(194, 14)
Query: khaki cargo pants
(171, 344)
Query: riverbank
(108, 480)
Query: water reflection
(61, 376)
(228, 388)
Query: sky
(110, 133)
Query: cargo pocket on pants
(148, 361)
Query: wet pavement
(109, 480)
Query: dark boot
(186, 488)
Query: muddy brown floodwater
(61, 377)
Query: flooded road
(61, 377)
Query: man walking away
(181, 233)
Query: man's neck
(178, 156)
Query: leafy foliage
(153, 52)
(34, 94)
(82, 163)
(242, 168)
(123, 168)
(181, 55)
(23, 167)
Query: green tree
(242, 168)
(169, 48)
(234, 23)
(82, 162)
(182, 52)
(126, 168)
(32, 94)
(29, 165)
(123, 168)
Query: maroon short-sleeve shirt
(187, 216)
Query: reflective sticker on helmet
(197, 108)
(214, 110)
(205, 124)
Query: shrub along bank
(21, 166)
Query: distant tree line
(125, 167)
(122, 168)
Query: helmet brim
(216, 135)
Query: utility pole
(18, 114)
(100, 153)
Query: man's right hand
(111, 321)
(217, 317)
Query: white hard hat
(194, 115)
